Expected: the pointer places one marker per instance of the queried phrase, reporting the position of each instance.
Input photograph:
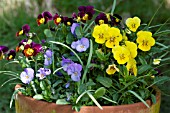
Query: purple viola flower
(27, 75)
(48, 57)
(44, 18)
(25, 29)
(65, 63)
(74, 70)
(73, 28)
(67, 21)
(42, 73)
(101, 19)
(59, 73)
(3, 49)
(115, 19)
(67, 85)
(81, 45)
(57, 19)
(11, 54)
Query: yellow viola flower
(133, 23)
(114, 37)
(145, 40)
(112, 69)
(121, 54)
(132, 47)
(100, 33)
(131, 67)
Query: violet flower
(67, 85)
(44, 18)
(25, 29)
(65, 63)
(101, 19)
(73, 28)
(27, 75)
(3, 49)
(81, 45)
(42, 73)
(57, 19)
(115, 19)
(74, 70)
(11, 54)
(48, 57)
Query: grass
(11, 21)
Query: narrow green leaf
(57, 70)
(94, 100)
(142, 60)
(144, 68)
(105, 81)
(153, 97)
(8, 81)
(80, 97)
(113, 7)
(99, 92)
(162, 33)
(57, 83)
(38, 97)
(137, 96)
(69, 38)
(62, 102)
(109, 100)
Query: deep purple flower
(48, 57)
(43, 41)
(59, 73)
(42, 73)
(67, 21)
(73, 28)
(57, 19)
(65, 63)
(27, 75)
(25, 29)
(3, 49)
(115, 19)
(81, 45)
(11, 54)
(74, 70)
(101, 19)
(44, 18)
(32, 49)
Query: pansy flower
(65, 63)
(27, 75)
(133, 23)
(101, 19)
(73, 28)
(44, 18)
(42, 73)
(131, 67)
(112, 69)
(74, 70)
(114, 37)
(32, 49)
(25, 29)
(145, 40)
(132, 47)
(48, 57)
(11, 55)
(81, 45)
(85, 13)
(115, 19)
(21, 45)
(3, 49)
(57, 19)
(67, 21)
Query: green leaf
(100, 54)
(142, 60)
(38, 97)
(137, 96)
(165, 32)
(105, 81)
(153, 97)
(57, 83)
(94, 100)
(144, 68)
(82, 88)
(113, 7)
(109, 100)
(42, 85)
(80, 96)
(69, 38)
(48, 33)
(62, 102)
(78, 32)
(99, 92)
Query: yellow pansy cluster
(124, 50)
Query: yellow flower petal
(133, 23)
(112, 69)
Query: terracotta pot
(26, 104)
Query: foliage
(95, 86)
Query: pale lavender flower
(73, 28)
(81, 45)
(43, 72)
(67, 85)
(27, 75)
(65, 63)
(74, 70)
(48, 57)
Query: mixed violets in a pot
(90, 58)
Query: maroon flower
(57, 19)
(85, 13)
(101, 19)
(21, 44)
(67, 21)
(32, 49)
(11, 55)
(44, 18)
(115, 19)
(3, 49)
(25, 29)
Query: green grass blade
(137, 96)
(109, 100)
(8, 81)
(80, 96)
(113, 7)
